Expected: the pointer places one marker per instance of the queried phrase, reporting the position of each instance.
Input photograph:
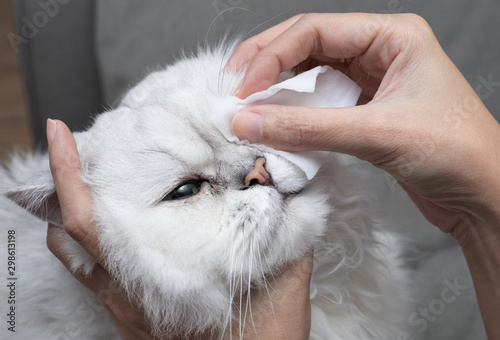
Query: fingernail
(51, 130)
(248, 125)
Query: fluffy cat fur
(190, 261)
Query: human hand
(283, 312)
(75, 202)
(419, 120)
(282, 309)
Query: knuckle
(56, 241)
(406, 31)
(246, 52)
(416, 24)
(64, 166)
(77, 227)
(301, 134)
(415, 19)
(52, 242)
(60, 174)
(298, 17)
(55, 171)
(246, 44)
(289, 130)
(309, 17)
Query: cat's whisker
(248, 290)
(232, 288)
(223, 75)
(272, 273)
(249, 294)
(265, 281)
(233, 282)
(241, 301)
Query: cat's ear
(39, 197)
(32, 186)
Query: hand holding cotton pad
(320, 87)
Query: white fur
(187, 260)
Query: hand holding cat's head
(179, 223)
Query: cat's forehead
(155, 128)
(173, 107)
(165, 120)
(192, 83)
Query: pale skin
(417, 118)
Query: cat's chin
(271, 229)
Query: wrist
(480, 242)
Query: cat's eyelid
(189, 180)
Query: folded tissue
(320, 87)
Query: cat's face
(177, 223)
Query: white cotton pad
(320, 87)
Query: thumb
(73, 195)
(346, 130)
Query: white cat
(179, 226)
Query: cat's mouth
(284, 195)
(272, 192)
(255, 182)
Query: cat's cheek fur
(287, 177)
(176, 271)
(227, 241)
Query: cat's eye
(184, 191)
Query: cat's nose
(258, 175)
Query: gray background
(87, 54)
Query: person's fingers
(291, 292)
(98, 281)
(336, 36)
(74, 197)
(298, 273)
(245, 52)
(282, 309)
(127, 315)
(353, 130)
